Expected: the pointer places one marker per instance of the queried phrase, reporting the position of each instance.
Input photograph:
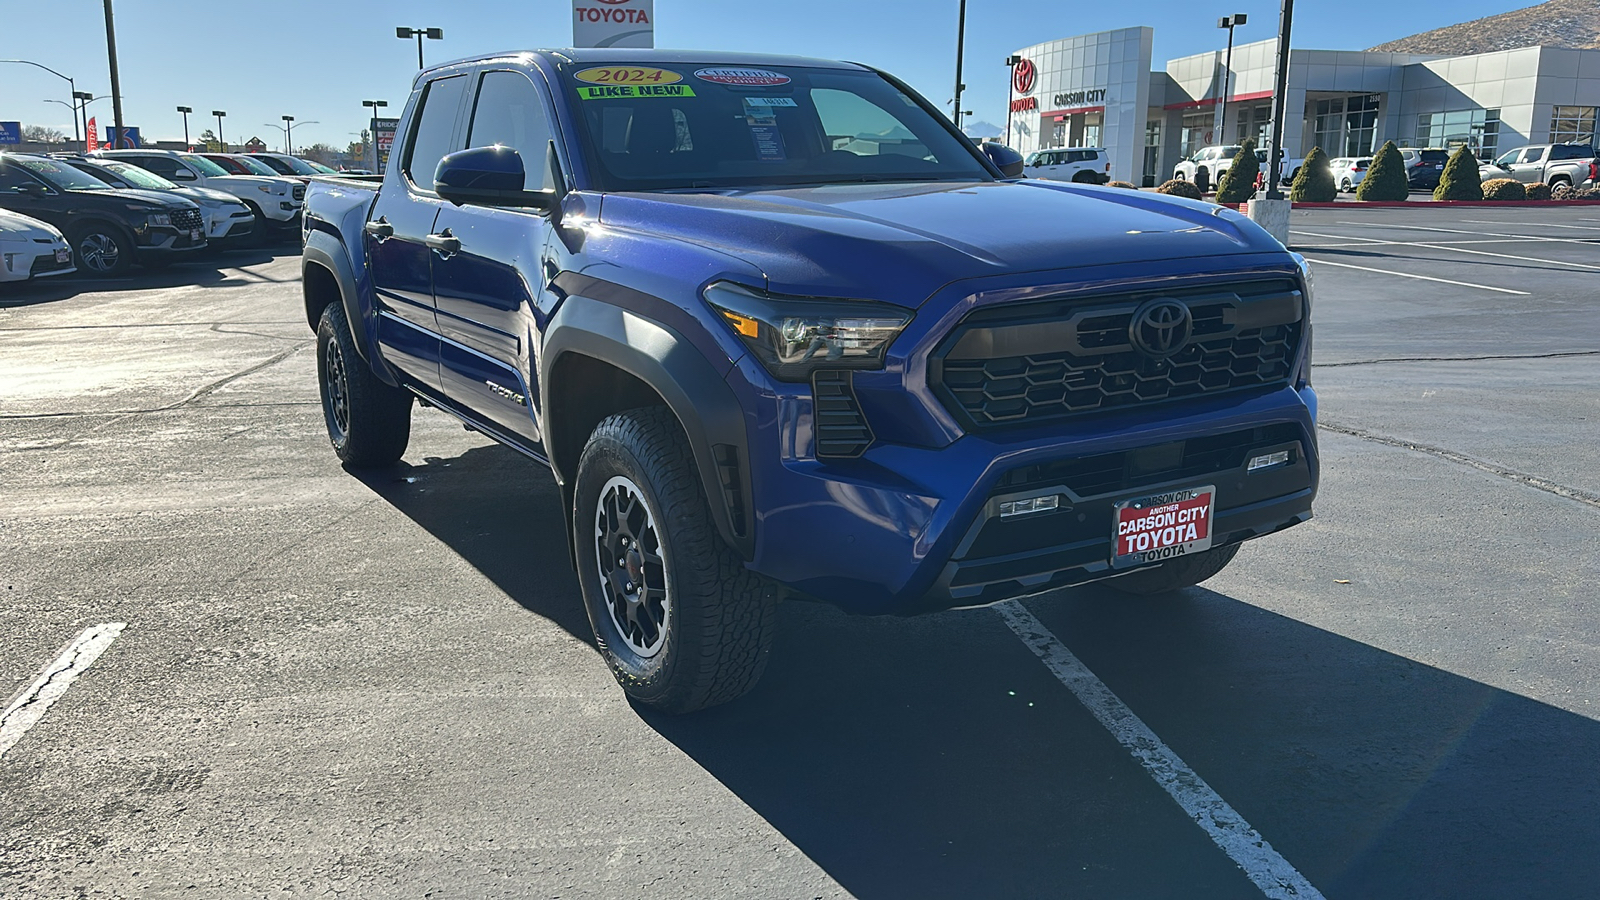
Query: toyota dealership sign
(613, 23)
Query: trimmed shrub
(1460, 180)
(1537, 191)
(1181, 189)
(1562, 191)
(1504, 189)
(1314, 184)
(1239, 182)
(1386, 177)
(1123, 184)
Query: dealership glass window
(1475, 128)
(1346, 126)
(1252, 123)
(1572, 124)
(1196, 132)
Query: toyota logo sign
(1022, 76)
(1161, 327)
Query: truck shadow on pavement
(936, 757)
(205, 271)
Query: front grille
(42, 264)
(299, 192)
(187, 219)
(1037, 362)
(842, 430)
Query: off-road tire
(717, 628)
(100, 249)
(1176, 574)
(372, 425)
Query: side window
(509, 112)
(165, 166)
(12, 177)
(1533, 155)
(436, 122)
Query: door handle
(380, 229)
(446, 243)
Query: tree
(1460, 179)
(43, 134)
(1314, 184)
(1386, 177)
(208, 139)
(322, 153)
(1239, 182)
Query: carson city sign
(1086, 97)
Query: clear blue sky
(319, 60)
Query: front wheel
(369, 422)
(680, 621)
(1175, 574)
(101, 249)
(1345, 186)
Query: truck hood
(902, 242)
(238, 184)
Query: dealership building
(1099, 90)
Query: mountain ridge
(1557, 23)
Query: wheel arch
(326, 277)
(599, 359)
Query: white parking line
(1227, 829)
(1453, 249)
(1534, 224)
(1481, 287)
(26, 711)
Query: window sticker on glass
(769, 102)
(623, 91)
(769, 143)
(627, 75)
(741, 77)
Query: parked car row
(1207, 166)
(114, 209)
(1574, 165)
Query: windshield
(60, 175)
(249, 165)
(321, 169)
(688, 126)
(140, 178)
(202, 165)
(274, 165)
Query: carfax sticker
(613, 91)
(742, 77)
(627, 75)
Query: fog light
(1009, 508)
(1268, 461)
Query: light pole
(372, 133)
(1230, 23)
(1011, 91)
(961, 46)
(83, 99)
(71, 86)
(186, 110)
(116, 83)
(433, 34)
(219, 113)
(1280, 91)
(288, 132)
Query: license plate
(63, 255)
(194, 234)
(1162, 526)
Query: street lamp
(961, 46)
(432, 34)
(219, 113)
(1011, 92)
(186, 110)
(71, 85)
(1280, 90)
(288, 132)
(372, 135)
(1230, 23)
(83, 99)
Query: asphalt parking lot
(384, 685)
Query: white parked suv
(30, 248)
(1084, 165)
(1348, 171)
(1205, 168)
(276, 202)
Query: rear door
(397, 232)
(484, 288)
(1529, 167)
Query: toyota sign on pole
(613, 23)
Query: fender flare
(328, 252)
(669, 364)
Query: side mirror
(1007, 160)
(488, 176)
(183, 175)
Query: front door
(484, 284)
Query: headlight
(793, 336)
(159, 219)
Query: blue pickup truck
(779, 330)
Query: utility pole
(372, 133)
(961, 46)
(219, 113)
(116, 83)
(1011, 91)
(186, 110)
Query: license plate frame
(1171, 519)
(63, 255)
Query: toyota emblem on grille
(1161, 327)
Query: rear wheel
(1084, 176)
(681, 622)
(1560, 180)
(1176, 574)
(101, 248)
(1345, 186)
(369, 422)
